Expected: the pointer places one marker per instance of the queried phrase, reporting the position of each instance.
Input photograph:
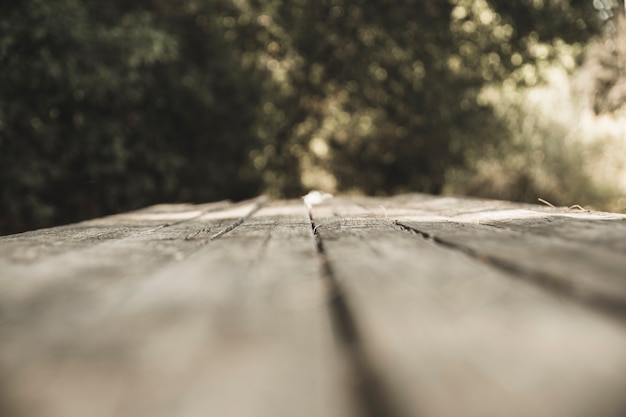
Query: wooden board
(413, 305)
(32, 246)
(445, 334)
(605, 230)
(157, 324)
(580, 254)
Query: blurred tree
(106, 106)
(384, 95)
(604, 71)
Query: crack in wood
(194, 236)
(614, 307)
(368, 389)
(175, 223)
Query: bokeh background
(107, 106)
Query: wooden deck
(407, 306)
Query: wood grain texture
(33, 246)
(449, 335)
(235, 326)
(605, 230)
(407, 306)
(581, 253)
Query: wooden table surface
(407, 306)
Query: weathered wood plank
(62, 270)
(220, 310)
(59, 296)
(575, 252)
(445, 334)
(607, 234)
(601, 229)
(236, 326)
(36, 245)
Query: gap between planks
(161, 287)
(371, 394)
(614, 307)
(606, 302)
(501, 346)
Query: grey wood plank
(65, 292)
(36, 281)
(445, 334)
(574, 252)
(34, 245)
(592, 228)
(607, 234)
(238, 326)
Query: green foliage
(569, 157)
(107, 106)
(382, 96)
(603, 71)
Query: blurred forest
(107, 106)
